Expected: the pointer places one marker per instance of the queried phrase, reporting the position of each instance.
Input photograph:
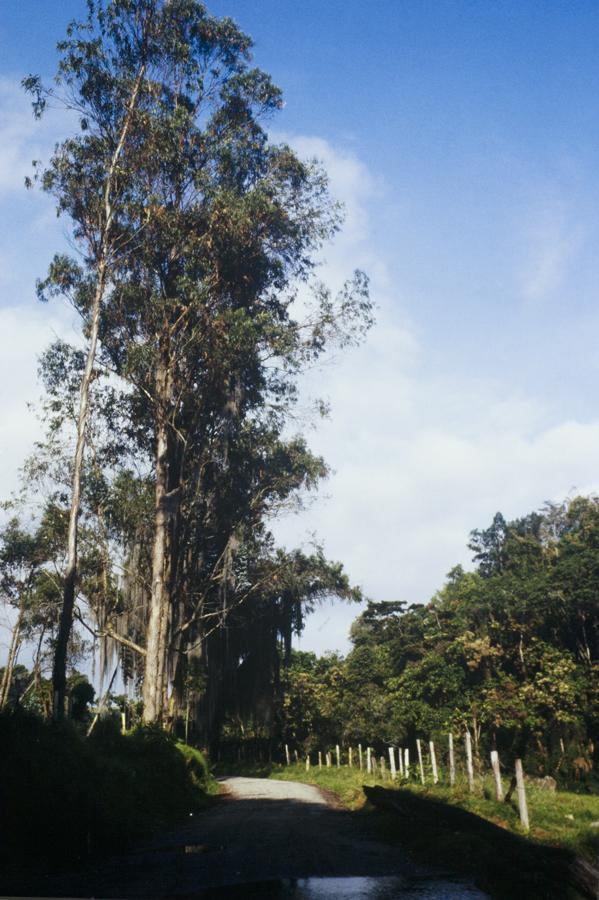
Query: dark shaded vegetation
(65, 798)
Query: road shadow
(240, 841)
(506, 864)
(246, 847)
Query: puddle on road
(364, 888)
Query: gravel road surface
(260, 830)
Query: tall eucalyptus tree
(208, 231)
(100, 77)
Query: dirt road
(260, 830)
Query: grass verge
(481, 836)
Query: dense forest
(509, 652)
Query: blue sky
(464, 139)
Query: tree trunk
(15, 642)
(59, 670)
(158, 624)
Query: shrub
(64, 797)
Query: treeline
(142, 535)
(508, 652)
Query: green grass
(549, 812)
(345, 783)
(504, 861)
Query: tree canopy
(195, 236)
(509, 651)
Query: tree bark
(15, 642)
(158, 624)
(59, 670)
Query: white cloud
(22, 139)
(24, 333)
(422, 458)
(551, 243)
(350, 181)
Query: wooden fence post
(383, 766)
(433, 762)
(287, 755)
(338, 755)
(400, 759)
(497, 775)
(360, 755)
(307, 762)
(406, 762)
(349, 759)
(522, 805)
(419, 749)
(296, 757)
(373, 763)
(451, 761)
(392, 763)
(328, 760)
(469, 767)
(320, 759)
(368, 761)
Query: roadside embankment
(65, 798)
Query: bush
(63, 797)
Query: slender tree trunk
(157, 633)
(37, 663)
(59, 671)
(15, 643)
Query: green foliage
(80, 693)
(67, 797)
(509, 651)
(193, 235)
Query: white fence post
(433, 762)
(497, 775)
(522, 805)
(469, 766)
(392, 763)
(419, 749)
